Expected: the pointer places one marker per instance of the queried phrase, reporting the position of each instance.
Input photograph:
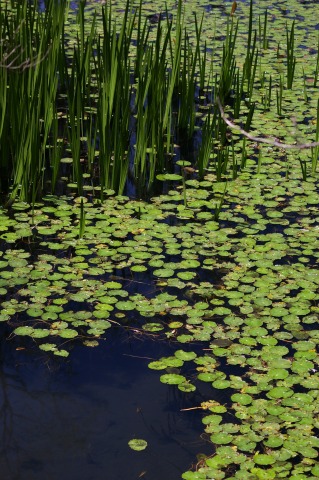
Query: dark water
(72, 418)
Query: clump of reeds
(116, 103)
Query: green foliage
(246, 288)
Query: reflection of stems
(315, 151)
(184, 187)
(82, 220)
(317, 67)
(219, 206)
(6, 414)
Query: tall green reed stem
(291, 59)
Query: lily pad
(172, 379)
(137, 444)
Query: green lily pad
(242, 398)
(125, 305)
(186, 356)
(153, 327)
(280, 392)
(27, 330)
(172, 379)
(61, 353)
(137, 444)
(164, 273)
(68, 333)
(221, 438)
(263, 459)
(186, 387)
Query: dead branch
(27, 63)
(269, 141)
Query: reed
(221, 162)
(243, 154)
(305, 94)
(290, 52)
(81, 219)
(250, 116)
(113, 107)
(315, 150)
(220, 203)
(29, 104)
(186, 89)
(228, 66)
(279, 95)
(207, 141)
(250, 65)
(315, 79)
(239, 90)
(259, 162)
(263, 30)
(143, 100)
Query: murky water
(72, 419)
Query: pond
(74, 418)
(159, 242)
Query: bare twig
(269, 141)
(27, 63)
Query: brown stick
(269, 141)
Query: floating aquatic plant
(240, 295)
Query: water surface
(72, 419)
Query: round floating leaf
(221, 384)
(315, 470)
(125, 305)
(280, 392)
(61, 353)
(48, 347)
(68, 333)
(164, 272)
(186, 356)
(278, 373)
(138, 268)
(245, 444)
(169, 177)
(207, 377)
(23, 330)
(90, 343)
(186, 275)
(96, 332)
(212, 420)
(40, 333)
(304, 346)
(221, 438)
(273, 442)
(157, 365)
(174, 325)
(242, 398)
(172, 379)
(186, 387)
(153, 327)
(263, 459)
(113, 285)
(279, 312)
(264, 474)
(137, 444)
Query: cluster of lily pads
(227, 270)
(244, 288)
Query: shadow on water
(72, 419)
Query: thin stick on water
(269, 141)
